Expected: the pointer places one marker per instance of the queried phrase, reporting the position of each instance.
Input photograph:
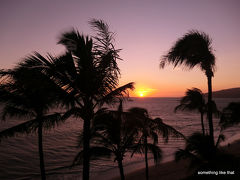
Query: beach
(175, 170)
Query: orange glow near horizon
(143, 91)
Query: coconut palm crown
(194, 49)
(193, 100)
(28, 94)
(230, 115)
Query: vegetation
(111, 135)
(230, 115)
(86, 77)
(28, 94)
(149, 130)
(90, 76)
(87, 74)
(194, 49)
(204, 158)
(114, 133)
(193, 100)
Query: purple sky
(145, 30)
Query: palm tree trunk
(120, 166)
(86, 147)
(146, 157)
(203, 130)
(40, 150)
(209, 77)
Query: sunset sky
(145, 30)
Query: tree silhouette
(149, 129)
(193, 100)
(88, 73)
(205, 158)
(87, 76)
(111, 135)
(194, 49)
(230, 115)
(28, 94)
(198, 149)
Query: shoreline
(173, 170)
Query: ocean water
(19, 155)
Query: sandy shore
(174, 170)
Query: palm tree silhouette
(149, 129)
(112, 135)
(198, 149)
(27, 93)
(193, 100)
(88, 73)
(194, 49)
(230, 115)
(203, 157)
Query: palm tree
(230, 115)
(112, 135)
(203, 157)
(150, 129)
(27, 93)
(193, 100)
(198, 149)
(88, 73)
(194, 49)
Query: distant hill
(226, 93)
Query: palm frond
(154, 136)
(185, 154)
(166, 130)
(52, 120)
(193, 49)
(104, 38)
(139, 111)
(26, 127)
(156, 151)
(11, 111)
(95, 152)
(200, 145)
(75, 111)
(114, 95)
(193, 100)
(230, 115)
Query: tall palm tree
(27, 93)
(88, 73)
(149, 129)
(194, 49)
(193, 100)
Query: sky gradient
(145, 31)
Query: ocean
(19, 155)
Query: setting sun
(143, 92)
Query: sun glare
(143, 92)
